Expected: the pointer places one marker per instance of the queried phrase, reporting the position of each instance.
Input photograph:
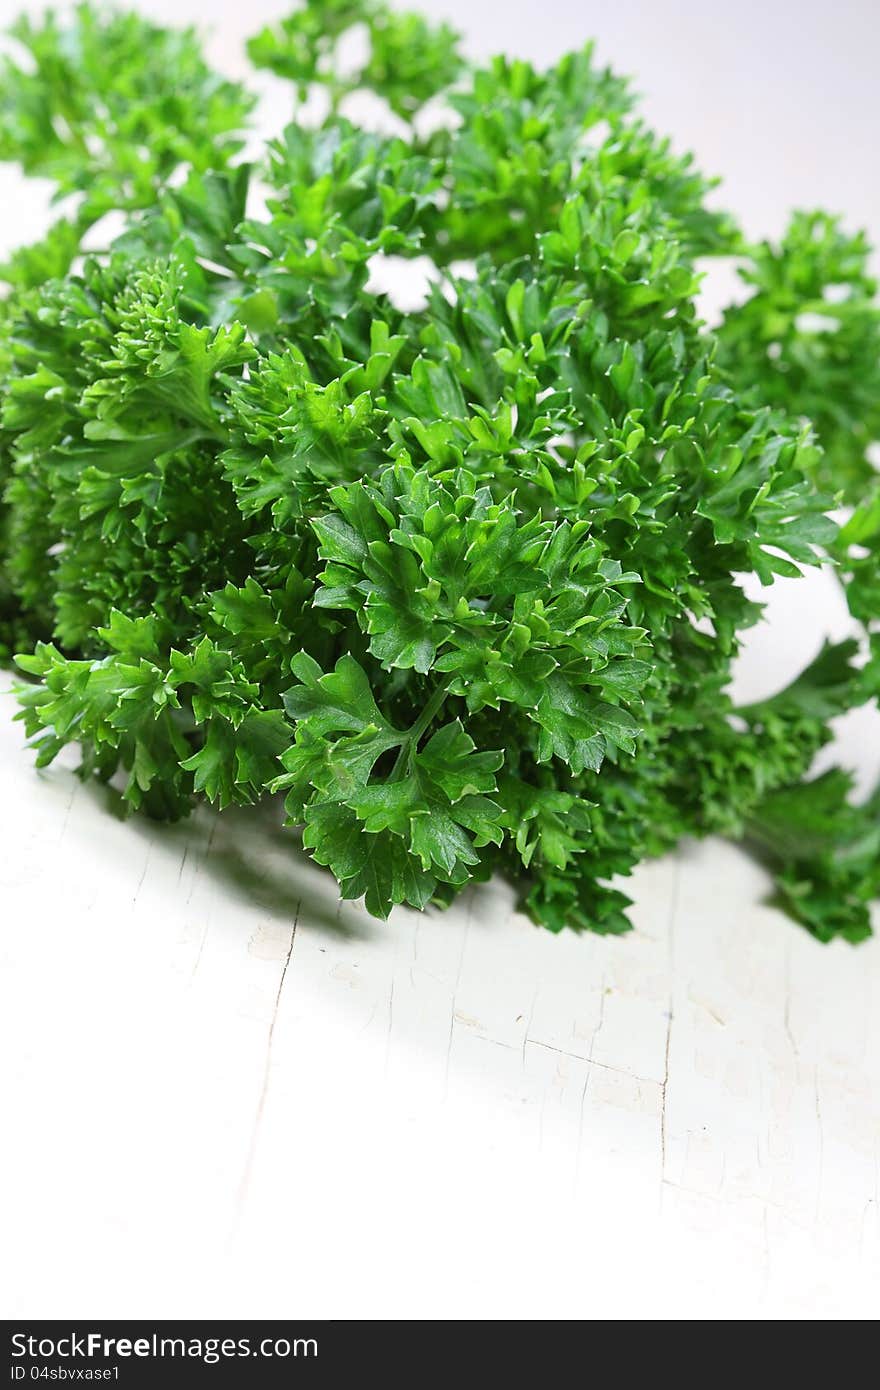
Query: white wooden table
(223, 1095)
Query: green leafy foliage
(808, 336)
(406, 61)
(828, 853)
(109, 106)
(463, 581)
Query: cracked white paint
(229, 1093)
(451, 1114)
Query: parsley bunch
(464, 581)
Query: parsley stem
(411, 741)
(427, 714)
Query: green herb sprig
(464, 582)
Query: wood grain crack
(673, 909)
(244, 1184)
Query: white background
(226, 1096)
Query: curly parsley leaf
(462, 577)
